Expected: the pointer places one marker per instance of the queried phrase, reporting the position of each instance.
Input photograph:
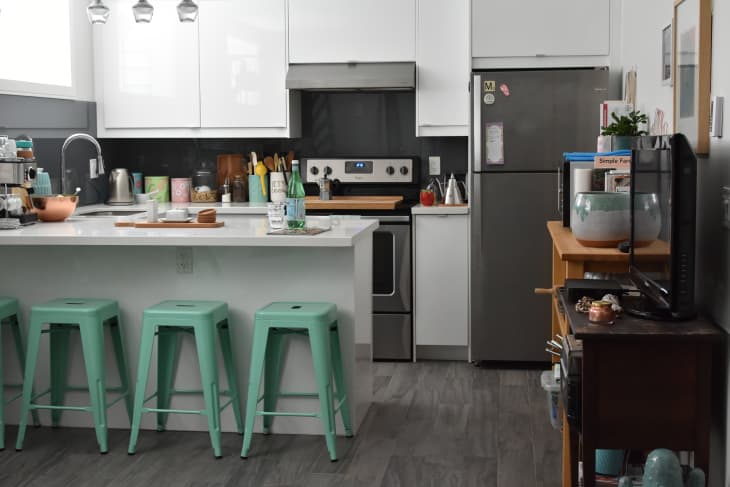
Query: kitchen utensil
(77, 191)
(269, 163)
(289, 159)
(120, 187)
(180, 190)
(325, 188)
(54, 208)
(207, 216)
(159, 183)
(261, 172)
(278, 187)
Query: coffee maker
(16, 177)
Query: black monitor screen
(651, 222)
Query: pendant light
(187, 11)
(97, 12)
(143, 12)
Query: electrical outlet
(93, 169)
(184, 260)
(434, 165)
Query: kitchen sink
(111, 213)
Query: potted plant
(623, 129)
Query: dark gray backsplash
(333, 125)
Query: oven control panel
(359, 170)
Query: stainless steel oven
(392, 296)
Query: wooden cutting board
(169, 225)
(354, 203)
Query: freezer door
(511, 256)
(534, 116)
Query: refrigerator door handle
(477, 122)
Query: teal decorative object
(696, 478)
(601, 219)
(609, 462)
(625, 482)
(662, 469)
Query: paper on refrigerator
(495, 143)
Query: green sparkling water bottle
(295, 199)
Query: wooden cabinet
(441, 282)
(147, 74)
(443, 66)
(535, 28)
(221, 76)
(336, 31)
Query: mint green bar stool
(89, 316)
(167, 320)
(10, 316)
(272, 324)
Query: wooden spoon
(289, 159)
(269, 163)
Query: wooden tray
(353, 203)
(169, 224)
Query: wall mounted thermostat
(716, 108)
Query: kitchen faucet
(64, 184)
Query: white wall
(642, 22)
(82, 54)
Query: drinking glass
(277, 215)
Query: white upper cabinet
(147, 73)
(443, 65)
(335, 31)
(243, 69)
(536, 28)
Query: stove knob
(327, 170)
(314, 170)
(389, 170)
(31, 173)
(404, 170)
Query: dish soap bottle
(295, 199)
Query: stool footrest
(176, 411)
(61, 408)
(17, 396)
(286, 413)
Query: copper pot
(54, 208)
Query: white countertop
(439, 210)
(237, 232)
(221, 208)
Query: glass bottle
(295, 199)
(239, 191)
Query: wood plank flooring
(433, 424)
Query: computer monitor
(663, 205)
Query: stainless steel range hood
(352, 76)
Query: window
(37, 46)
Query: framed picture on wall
(667, 51)
(692, 64)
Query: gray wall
(48, 122)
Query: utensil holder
(255, 190)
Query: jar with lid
(239, 190)
(24, 149)
(204, 188)
(601, 313)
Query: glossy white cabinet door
(441, 268)
(243, 63)
(443, 60)
(517, 28)
(147, 74)
(331, 31)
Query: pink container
(180, 190)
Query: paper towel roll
(582, 181)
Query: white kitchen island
(237, 263)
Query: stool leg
(319, 340)
(143, 371)
(20, 351)
(115, 328)
(224, 334)
(167, 352)
(258, 354)
(92, 341)
(59, 338)
(340, 380)
(34, 340)
(272, 375)
(207, 360)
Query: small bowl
(54, 208)
(141, 198)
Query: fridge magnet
(495, 143)
(504, 89)
(692, 65)
(490, 86)
(489, 99)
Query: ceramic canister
(138, 183)
(159, 183)
(255, 191)
(180, 189)
(278, 187)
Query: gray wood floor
(433, 424)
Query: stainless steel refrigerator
(522, 122)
